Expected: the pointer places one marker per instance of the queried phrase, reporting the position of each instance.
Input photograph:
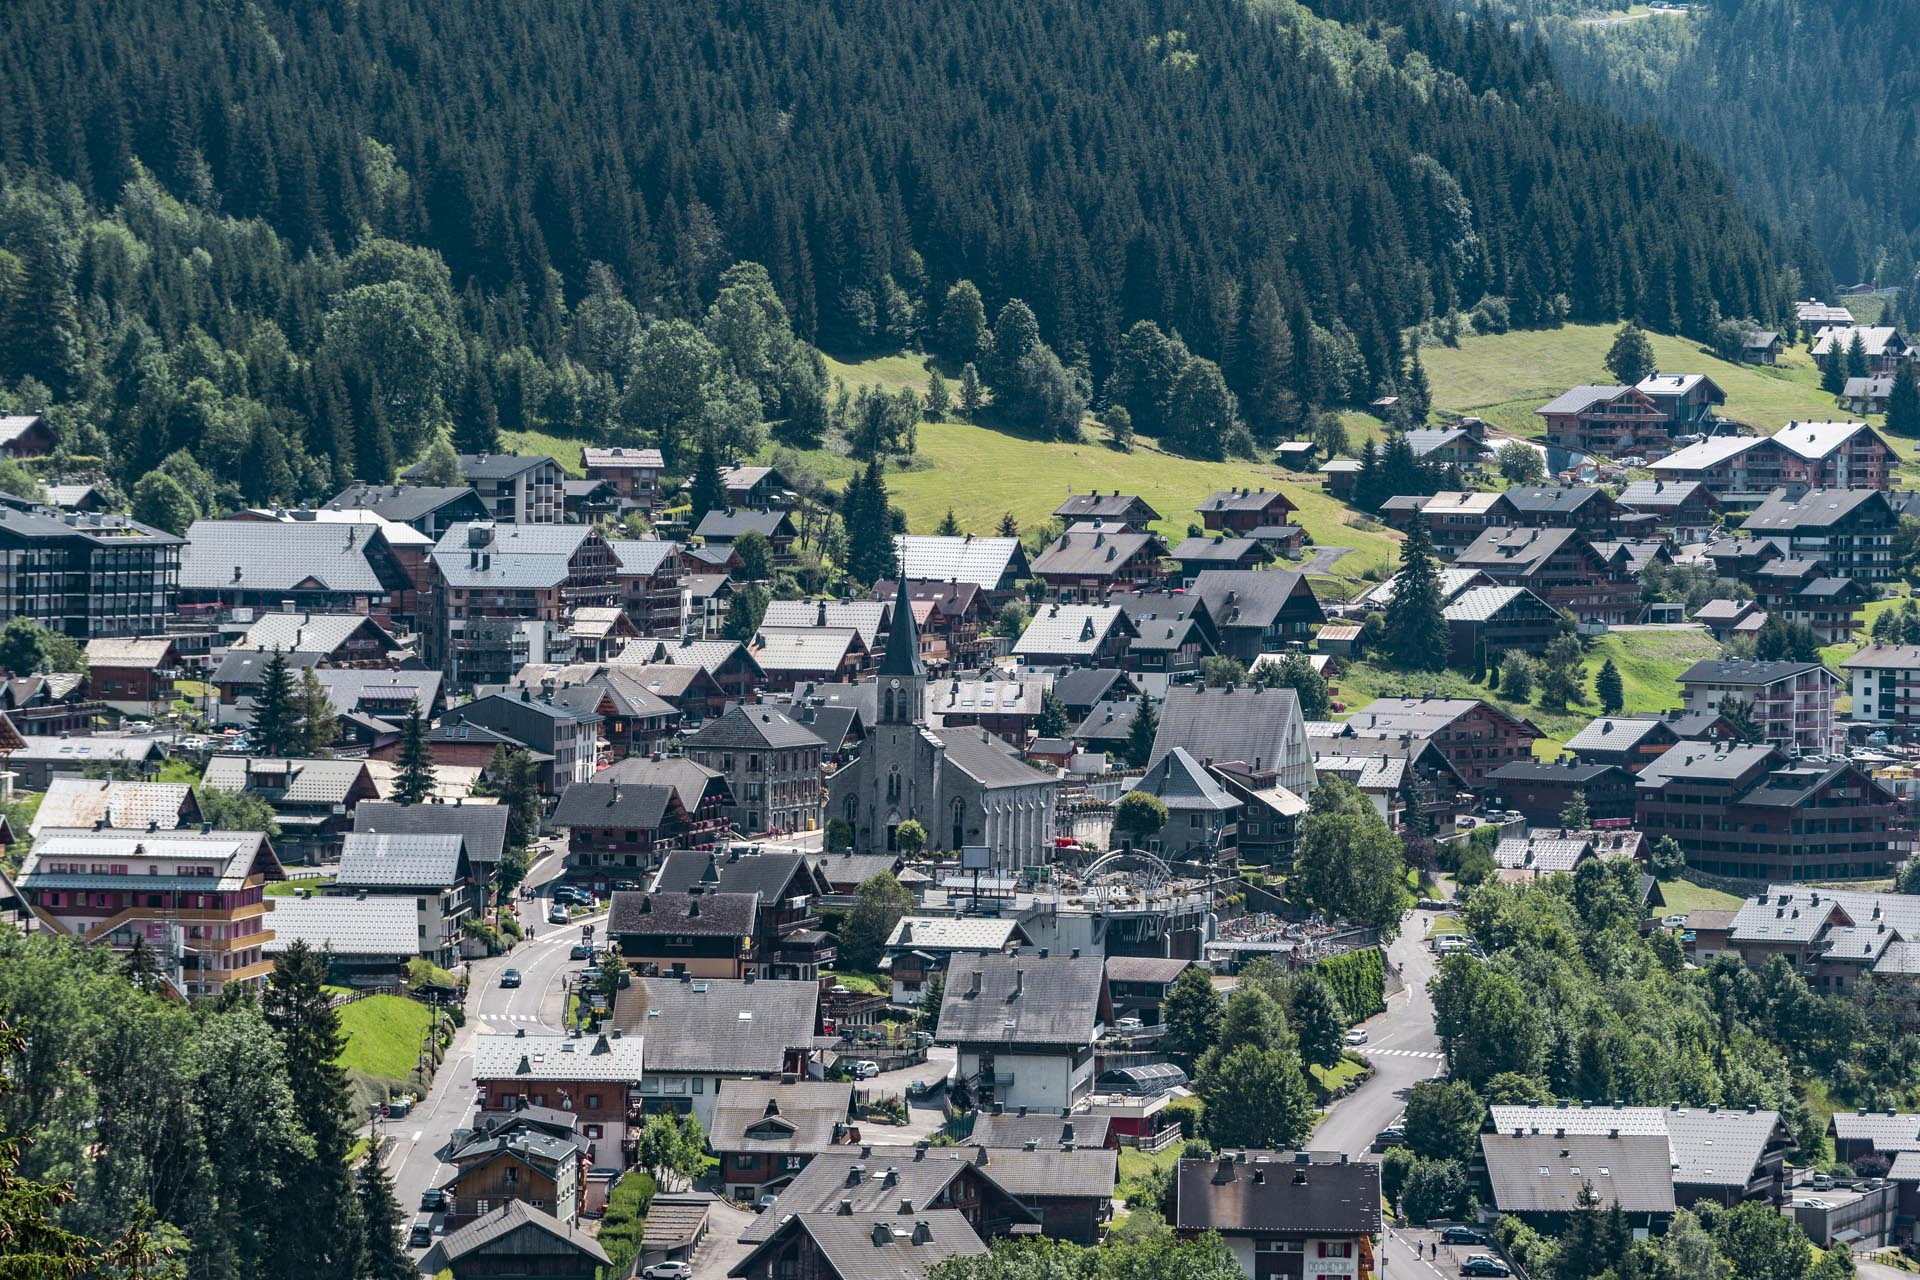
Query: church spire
(903, 640)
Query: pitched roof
(1201, 550)
(613, 804)
(1886, 657)
(1581, 398)
(755, 727)
(1072, 629)
(1183, 784)
(310, 632)
(510, 1217)
(1812, 440)
(863, 617)
(1739, 671)
(306, 781)
(1044, 1129)
(375, 926)
(1482, 604)
(400, 861)
(983, 561)
(879, 1246)
(481, 827)
(80, 803)
(492, 466)
(1023, 999)
(1662, 495)
(990, 762)
(167, 859)
(1252, 597)
(1111, 506)
(478, 554)
(949, 933)
(618, 456)
(719, 1025)
(1084, 686)
(403, 503)
(760, 1115)
(144, 652)
(726, 525)
(1874, 337)
(642, 557)
(1089, 550)
(1615, 733)
(551, 1056)
(1897, 1131)
(1084, 1173)
(1277, 1193)
(1145, 968)
(1525, 549)
(869, 1179)
(1540, 1173)
(1556, 499)
(719, 915)
(1703, 1145)
(688, 779)
(1256, 726)
(1816, 509)
(249, 555)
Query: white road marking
(417, 1134)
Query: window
(593, 1102)
(482, 1206)
(1336, 1248)
(593, 1130)
(699, 1085)
(743, 1160)
(513, 1175)
(791, 1162)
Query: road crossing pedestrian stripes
(1403, 1053)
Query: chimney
(922, 1233)
(973, 985)
(855, 1174)
(1019, 981)
(1223, 1171)
(882, 1234)
(846, 1208)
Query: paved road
(1323, 559)
(1401, 1044)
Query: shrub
(1189, 1112)
(1359, 978)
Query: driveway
(721, 1249)
(924, 1115)
(1323, 559)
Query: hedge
(1359, 978)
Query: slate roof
(387, 691)
(870, 1179)
(1819, 439)
(805, 648)
(479, 554)
(864, 617)
(1045, 1130)
(699, 1027)
(503, 1222)
(688, 779)
(1269, 1193)
(1886, 657)
(1108, 506)
(1071, 629)
(1184, 785)
(761, 728)
(1453, 583)
(1874, 337)
(613, 804)
(1084, 686)
(1631, 1170)
(717, 915)
(880, 1246)
(375, 926)
(1242, 500)
(1734, 671)
(1224, 550)
(308, 781)
(990, 695)
(1219, 725)
(674, 1220)
(725, 526)
(400, 861)
(1703, 1146)
(1483, 604)
(1145, 968)
(1815, 509)
(710, 655)
(402, 503)
(1089, 551)
(1084, 1173)
(481, 827)
(773, 876)
(1705, 454)
(1108, 721)
(278, 557)
(1059, 1001)
(308, 632)
(1251, 597)
(989, 761)
(1579, 399)
(1525, 550)
(78, 803)
(1707, 762)
(1556, 499)
(1663, 495)
(642, 557)
(1614, 733)
(810, 1117)
(983, 561)
(1897, 1131)
(550, 1056)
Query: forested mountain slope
(1107, 161)
(1813, 109)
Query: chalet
(1722, 1155)
(1239, 511)
(1202, 815)
(1139, 985)
(1383, 765)
(1682, 511)
(1817, 455)
(1587, 508)
(1005, 706)
(729, 526)
(1885, 346)
(1176, 632)
(1296, 455)
(633, 719)
(755, 488)
(699, 1033)
(427, 509)
(600, 1080)
(133, 676)
(368, 942)
(688, 688)
(1260, 728)
(1868, 394)
(1494, 620)
(509, 591)
(861, 1246)
(1835, 937)
(701, 792)
(1813, 315)
(433, 870)
(1474, 737)
(1087, 635)
(516, 1240)
(766, 1133)
(1095, 557)
(772, 766)
(922, 946)
(1283, 1213)
(872, 1179)
(25, 435)
(1340, 475)
(482, 827)
(318, 567)
(1763, 805)
(1849, 531)
(1613, 421)
(1199, 554)
(620, 830)
(514, 488)
(1453, 518)
(793, 656)
(953, 618)
(1023, 1026)
(1762, 346)
(1542, 791)
(83, 497)
(730, 664)
(90, 804)
(1686, 399)
(666, 935)
(1631, 742)
(1258, 612)
(633, 473)
(647, 572)
(1549, 850)
(1464, 446)
(788, 942)
(1069, 1190)
(1724, 618)
(996, 565)
(1115, 510)
(868, 619)
(311, 799)
(1791, 702)
(1829, 607)
(1561, 567)
(567, 736)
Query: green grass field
(384, 1035)
(287, 888)
(564, 450)
(1505, 377)
(1683, 896)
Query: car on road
(433, 1200)
(626, 885)
(509, 977)
(1431, 904)
(1673, 922)
(1357, 1036)
(421, 1236)
(558, 915)
(765, 1202)
(1484, 1264)
(1465, 1235)
(580, 951)
(668, 1271)
(865, 1069)
(1395, 1136)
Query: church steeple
(903, 676)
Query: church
(965, 786)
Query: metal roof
(983, 561)
(482, 827)
(949, 933)
(400, 861)
(1023, 999)
(718, 1025)
(475, 555)
(253, 555)
(1545, 1174)
(380, 926)
(1071, 629)
(547, 1057)
(760, 1115)
(1273, 1193)
(79, 803)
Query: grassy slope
(1505, 377)
(1650, 664)
(1684, 896)
(384, 1034)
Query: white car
(668, 1271)
(865, 1069)
(1357, 1036)
(1129, 1024)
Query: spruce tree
(870, 551)
(1858, 365)
(318, 1225)
(1009, 527)
(383, 1256)
(414, 783)
(1903, 402)
(1417, 392)
(276, 713)
(319, 726)
(1052, 721)
(939, 399)
(949, 525)
(706, 489)
(1140, 736)
(972, 395)
(1608, 685)
(1416, 622)
(1833, 368)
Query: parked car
(1673, 922)
(1822, 1182)
(1465, 1235)
(558, 915)
(865, 1069)
(422, 1234)
(1484, 1264)
(1129, 1024)
(1394, 1136)
(580, 951)
(668, 1271)
(1357, 1036)
(1431, 904)
(509, 977)
(765, 1202)
(627, 885)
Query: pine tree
(1608, 685)
(1366, 485)
(276, 712)
(706, 490)
(871, 556)
(476, 418)
(1858, 366)
(1416, 621)
(1417, 392)
(1140, 735)
(1052, 721)
(1575, 816)
(949, 526)
(939, 400)
(318, 724)
(1272, 408)
(1009, 527)
(1833, 368)
(1903, 402)
(972, 395)
(383, 1256)
(318, 1225)
(415, 781)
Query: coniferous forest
(306, 234)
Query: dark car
(421, 1236)
(509, 977)
(581, 951)
(1481, 1264)
(1392, 1136)
(1465, 1235)
(433, 1200)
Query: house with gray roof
(701, 1032)
(1127, 510)
(312, 800)
(1202, 815)
(598, 1079)
(568, 734)
(766, 1132)
(367, 941)
(427, 509)
(1094, 557)
(1273, 1207)
(873, 1179)
(726, 526)
(771, 763)
(1258, 727)
(922, 946)
(1064, 634)
(1023, 1026)
(891, 1245)
(1848, 531)
(433, 870)
(995, 565)
(515, 488)
(516, 1239)
(103, 804)
(1256, 612)
(1791, 702)
(1722, 1154)
(318, 566)
(1540, 1178)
